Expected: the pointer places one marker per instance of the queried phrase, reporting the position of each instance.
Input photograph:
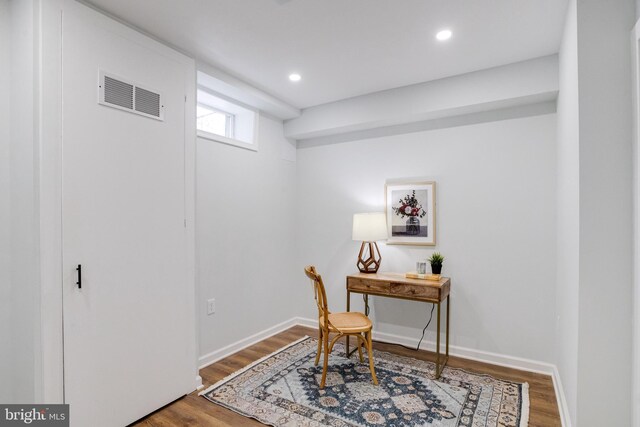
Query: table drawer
(413, 291)
(365, 285)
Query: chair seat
(348, 322)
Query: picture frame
(411, 212)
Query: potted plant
(436, 262)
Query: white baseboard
(309, 323)
(228, 350)
(463, 352)
(563, 408)
(466, 353)
(199, 385)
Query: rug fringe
(262, 359)
(524, 415)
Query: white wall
(568, 239)
(495, 226)
(245, 236)
(5, 288)
(594, 211)
(604, 79)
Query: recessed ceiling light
(295, 77)
(444, 35)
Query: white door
(127, 331)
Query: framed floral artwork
(411, 212)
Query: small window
(215, 121)
(222, 120)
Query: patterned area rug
(282, 390)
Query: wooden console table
(396, 285)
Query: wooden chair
(342, 324)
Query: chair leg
(319, 346)
(370, 351)
(325, 342)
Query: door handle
(79, 282)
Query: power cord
(425, 328)
(421, 338)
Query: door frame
(50, 167)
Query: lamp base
(371, 263)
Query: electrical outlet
(211, 306)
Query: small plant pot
(436, 269)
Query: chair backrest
(319, 294)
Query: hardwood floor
(193, 410)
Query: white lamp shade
(369, 227)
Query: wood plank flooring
(194, 410)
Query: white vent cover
(124, 95)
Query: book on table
(416, 275)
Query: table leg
(348, 309)
(438, 345)
(448, 317)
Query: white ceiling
(345, 48)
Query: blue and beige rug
(282, 390)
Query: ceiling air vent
(124, 95)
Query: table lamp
(368, 228)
